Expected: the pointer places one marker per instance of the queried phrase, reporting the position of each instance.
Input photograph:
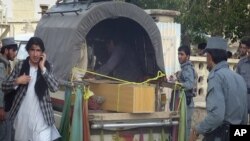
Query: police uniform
(6, 130)
(187, 79)
(226, 101)
(243, 68)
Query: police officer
(8, 53)
(242, 50)
(226, 100)
(187, 78)
(243, 67)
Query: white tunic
(29, 124)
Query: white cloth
(29, 124)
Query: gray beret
(216, 43)
(8, 41)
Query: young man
(32, 111)
(8, 53)
(243, 47)
(122, 62)
(243, 68)
(187, 79)
(226, 100)
(201, 47)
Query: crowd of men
(228, 92)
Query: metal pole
(133, 125)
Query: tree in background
(228, 18)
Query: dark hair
(185, 49)
(35, 41)
(246, 41)
(202, 46)
(14, 47)
(217, 55)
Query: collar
(222, 64)
(4, 60)
(33, 65)
(186, 64)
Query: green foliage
(228, 18)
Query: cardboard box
(126, 97)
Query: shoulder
(220, 73)
(2, 69)
(242, 60)
(239, 77)
(223, 72)
(188, 67)
(19, 65)
(211, 77)
(188, 64)
(226, 75)
(2, 65)
(3, 60)
(217, 79)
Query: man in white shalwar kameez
(31, 110)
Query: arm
(50, 79)
(112, 62)
(48, 74)
(215, 102)
(10, 83)
(2, 77)
(189, 78)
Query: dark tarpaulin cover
(64, 35)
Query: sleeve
(189, 78)
(112, 62)
(2, 77)
(50, 79)
(215, 103)
(9, 83)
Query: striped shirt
(45, 103)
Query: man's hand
(42, 61)
(2, 114)
(194, 135)
(23, 79)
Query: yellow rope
(177, 86)
(75, 70)
(118, 98)
(124, 82)
(159, 75)
(87, 93)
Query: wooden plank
(131, 116)
(94, 81)
(126, 98)
(171, 85)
